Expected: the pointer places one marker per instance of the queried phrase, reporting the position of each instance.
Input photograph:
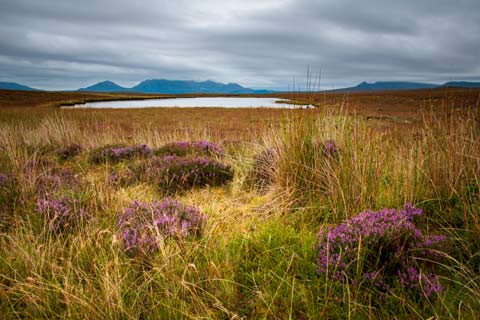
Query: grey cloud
(57, 44)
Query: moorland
(367, 206)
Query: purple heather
(388, 242)
(144, 224)
(183, 148)
(116, 154)
(61, 213)
(330, 148)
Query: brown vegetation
(385, 109)
(256, 256)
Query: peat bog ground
(367, 206)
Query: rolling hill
(174, 87)
(404, 85)
(185, 86)
(15, 86)
(389, 85)
(462, 84)
(104, 86)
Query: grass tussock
(82, 238)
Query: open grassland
(74, 244)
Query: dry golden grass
(257, 257)
(383, 110)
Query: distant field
(211, 213)
(383, 109)
(386, 101)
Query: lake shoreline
(191, 102)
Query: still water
(215, 102)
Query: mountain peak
(462, 84)
(389, 85)
(15, 86)
(189, 86)
(174, 87)
(104, 86)
(107, 82)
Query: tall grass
(438, 161)
(257, 254)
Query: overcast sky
(67, 44)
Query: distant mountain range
(389, 85)
(462, 84)
(15, 86)
(105, 86)
(174, 87)
(181, 87)
(401, 85)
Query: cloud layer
(58, 44)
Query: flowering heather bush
(330, 148)
(117, 153)
(263, 172)
(384, 248)
(122, 177)
(70, 151)
(7, 183)
(184, 148)
(62, 213)
(143, 225)
(55, 180)
(173, 173)
(4, 180)
(8, 199)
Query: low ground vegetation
(321, 216)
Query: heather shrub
(382, 248)
(61, 213)
(117, 153)
(55, 180)
(122, 177)
(70, 151)
(144, 225)
(4, 179)
(172, 173)
(185, 148)
(262, 174)
(8, 199)
(329, 148)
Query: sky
(68, 44)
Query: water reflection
(212, 102)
